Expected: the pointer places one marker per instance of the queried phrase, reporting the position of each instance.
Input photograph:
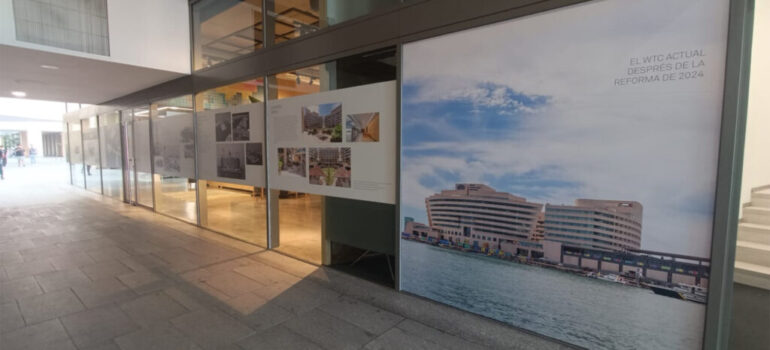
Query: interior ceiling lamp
(19, 94)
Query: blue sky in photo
(325, 108)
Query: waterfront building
(478, 215)
(596, 224)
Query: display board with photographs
(230, 144)
(339, 143)
(172, 136)
(568, 188)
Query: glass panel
(142, 156)
(173, 147)
(225, 29)
(237, 94)
(294, 18)
(76, 155)
(235, 209)
(298, 217)
(112, 161)
(91, 154)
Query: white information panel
(231, 145)
(174, 145)
(339, 143)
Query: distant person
(18, 152)
(3, 162)
(32, 154)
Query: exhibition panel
(575, 202)
(231, 171)
(112, 162)
(173, 157)
(223, 30)
(77, 168)
(91, 154)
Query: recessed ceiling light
(48, 66)
(19, 93)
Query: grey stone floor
(86, 272)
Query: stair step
(759, 202)
(756, 215)
(754, 233)
(752, 275)
(753, 253)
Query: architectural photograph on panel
(292, 161)
(241, 126)
(254, 153)
(323, 122)
(363, 127)
(330, 166)
(224, 127)
(231, 160)
(574, 202)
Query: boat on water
(694, 294)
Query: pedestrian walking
(32, 154)
(3, 162)
(18, 152)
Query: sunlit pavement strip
(80, 271)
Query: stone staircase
(752, 260)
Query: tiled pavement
(93, 273)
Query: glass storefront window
(141, 155)
(173, 157)
(294, 18)
(91, 154)
(112, 162)
(235, 209)
(298, 218)
(225, 29)
(77, 169)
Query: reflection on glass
(223, 30)
(233, 209)
(76, 155)
(237, 94)
(173, 157)
(141, 155)
(294, 18)
(91, 154)
(112, 162)
(299, 225)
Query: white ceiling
(78, 79)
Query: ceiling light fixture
(19, 93)
(48, 66)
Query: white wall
(756, 160)
(146, 33)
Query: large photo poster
(231, 144)
(338, 143)
(174, 144)
(559, 170)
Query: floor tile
(47, 306)
(28, 268)
(97, 326)
(329, 331)
(156, 338)
(102, 292)
(278, 337)
(368, 317)
(211, 329)
(45, 335)
(152, 309)
(10, 317)
(105, 269)
(55, 280)
(19, 288)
